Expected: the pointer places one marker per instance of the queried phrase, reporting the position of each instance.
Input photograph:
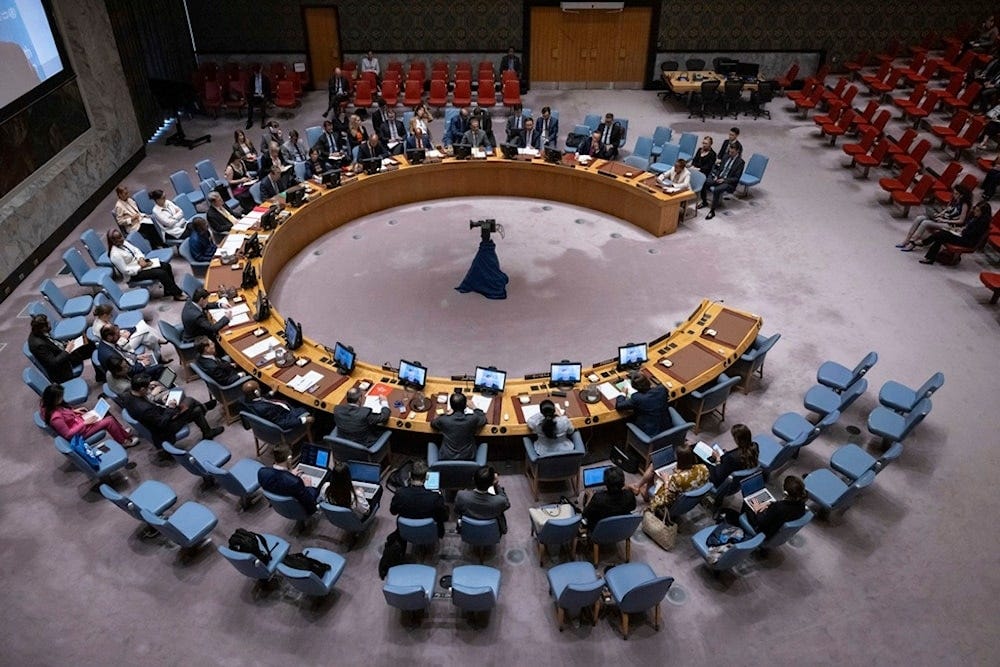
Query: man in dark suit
(416, 502)
(529, 137)
(724, 179)
(358, 423)
(479, 503)
(109, 347)
(734, 136)
(220, 218)
(459, 430)
(457, 127)
(392, 133)
(278, 412)
(371, 149)
(329, 142)
(258, 95)
(380, 114)
(647, 403)
(56, 357)
(271, 186)
(611, 135)
(195, 320)
(222, 371)
(511, 62)
(280, 479)
(547, 129)
(418, 140)
(594, 147)
(515, 124)
(613, 500)
(774, 515)
(339, 90)
(164, 421)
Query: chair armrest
(380, 444)
(481, 453)
(578, 447)
(529, 449)
(677, 419)
(432, 454)
(638, 433)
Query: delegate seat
(153, 496)
(144, 432)
(852, 462)
(308, 582)
(575, 586)
(133, 299)
(84, 274)
(731, 557)
(249, 565)
(556, 532)
(348, 450)
(409, 588)
(475, 588)
(709, 400)
(751, 362)
(185, 350)
(557, 467)
(193, 460)
(915, 196)
(823, 400)
(418, 532)
(894, 427)
(64, 305)
(63, 329)
(75, 391)
(181, 181)
(636, 588)
(644, 444)
(839, 378)
(831, 494)
(480, 534)
(612, 530)
(754, 173)
(455, 474)
(111, 459)
(270, 433)
(187, 527)
(240, 479)
(229, 396)
(902, 399)
(345, 519)
(290, 508)
(787, 531)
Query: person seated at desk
(457, 127)
(294, 149)
(723, 180)
(677, 179)
(485, 123)
(547, 128)
(239, 179)
(286, 177)
(338, 91)
(69, 422)
(356, 132)
(417, 502)
(486, 501)
(745, 456)
(200, 243)
(164, 421)
(417, 138)
(270, 135)
(704, 160)
(393, 133)
(475, 137)
(245, 150)
(272, 185)
(219, 217)
(552, 430)
(133, 265)
(315, 166)
(459, 430)
(529, 137)
(613, 500)
(773, 515)
(195, 319)
(56, 357)
(339, 490)
(647, 403)
(592, 146)
(689, 474)
(141, 336)
(113, 343)
(281, 413)
(611, 134)
(370, 150)
(282, 479)
(329, 142)
(357, 422)
(131, 219)
(967, 235)
(515, 123)
(221, 370)
(168, 216)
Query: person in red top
(68, 422)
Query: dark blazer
(325, 147)
(57, 362)
(515, 128)
(733, 177)
(723, 151)
(196, 322)
(649, 409)
(510, 62)
(220, 370)
(521, 140)
(285, 483)
(416, 502)
(377, 119)
(217, 221)
(340, 82)
(777, 513)
(484, 506)
(161, 421)
(616, 132)
(411, 143)
(265, 85)
(587, 147)
(604, 503)
(459, 431)
(730, 463)
(106, 352)
(272, 410)
(269, 188)
(553, 129)
(265, 143)
(358, 423)
(365, 151)
(383, 131)
(704, 163)
(457, 126)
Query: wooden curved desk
(695, 356)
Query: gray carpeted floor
(905, 577)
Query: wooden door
(322, 28)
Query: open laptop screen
(752, 484)
(361, 471)
(314, 455)
(593, 477)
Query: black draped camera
(486, 227)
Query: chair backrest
(757, 165)
(916, 415)
(34, 360)
(206, 170)
(850, 493)
(35, 379)
(662, 135)
(417, 531)
(227, 480)
(688, 500)
(121, 501)
(189, 283)
(688, 143)
(932, 384)
(852, 393)
(313, 133)
(718, 393)
(143, 201)
(113, 290)
(140, 242)
(646, 595)
(181, 182)
(738, 553)
(563, 464)
(560, 531)
(184, 203)
(76, 263)
(615, 528)
(698, 179)
(245, 563)
(578, 596)
(864, 365)
(342, 517)
(262, 429)
(480, 532)
(668, 155)
(255, 192)
(54, 295)
(643, 147)
(140, 429)
(186, 460)
(732, 483)
(592, 120)
(62, 445)
(93, 243)
(788, 530)
(286, 506)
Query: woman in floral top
(689, 474)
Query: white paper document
(303, 383)
(260, 348)
(609, 391)
(529, 411)
(241, 318)
(373, 402)
(482, 402)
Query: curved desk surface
(695, 357)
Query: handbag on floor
(661, 530)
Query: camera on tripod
(487, 227)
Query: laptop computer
(755, 494)
(594, 477)
(365, 477)
(314, 462)
(664, 462)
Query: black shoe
(210, 404)
(701, 205)
(214, 432)
(249, 124)
(926, 261)
(711, 214)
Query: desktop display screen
(629, 355)
(553, 155)
(343, 357)
(28, 51)
(748, 70)
(412, 374)
(489, 379)
(372, 166)
(565, 373)
(509, 151)
(416, 155)
(461, 151)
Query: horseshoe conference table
(707, 343)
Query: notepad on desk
(304, 383)
(609, 391)
(482, 402)
(529, 411)
(261, 347)
(238, 319)
(374, 403)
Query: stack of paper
(529, 411)
(303, 383)
(482, 402)
(260, 348)
(609, 391)
(373, 402)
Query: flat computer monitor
(331, 178)
(748, 70)
(295, 196)
(727, 68)
(632, 355)
(489, 380)
(269, 220)
(461, 151)
(565, 373)
(553, 155)
(594, 477)
(412, 374)
(372, 165)
(416, 155)
(343, 357)
(509, 151)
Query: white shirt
(679, 181)
(560, 443)
(370, 65)
(126, 259)
(170, 218)
(124, 212)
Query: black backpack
(303, 562)
(393, 554)
(399, 477)
(249, 542)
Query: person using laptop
(164, 421)
(357, 422)
(647, 403)
(613, 500)
(339, 490)
(119, 381)
(68, 422)
(459, 430)
(282, 479)
(221, 370)
(418, 502)
(773, 515)
(141, 336)
(552, 430)
(110, 346)
(745, 455)
(689, 474)
(278, 412)
(480, 503)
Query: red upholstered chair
(873, 159)
(915, 196)
(958, 121)
(390, 92)
(836, 108)
(986, 163)
(960, 67)
(363, 94)
(912, 100)
(881, 120)
(861, 147)
(924, 110)
(904, 143)
(810, 102)
(886, 86)
(395, 66)
(992, 282)
(913, 67)
(212, 98)
(296, 80)
(487, 93)
(350, 69)
(855, 66)
(926, 44)
(879, 75)
(839, 129)
(236, 97)
(277, 71)
(899, 183)
(414, 92)
(286, 95)
(370, 79)
(439, 93)
(890, 53)
(965, 100)
(807, 90)
(462, 97)
(866, 114)
(925, 74)
(951, 52)
(834, 93)
(967, 138)
(942, 188)
(788, 79)
(953, 88)
(508, 74)
(511, 93)
(914, 157)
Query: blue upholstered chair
(189, 284)
(255, 193)
(123, 319)
(143, 201)
(901, 398)
(183, 186)
(751, 362)
(96, 248)
(475, 588)
(186, 352)
(709, 400)
(612, 530)
(290, 508)
(636, 588)
(75, 391)
(554, 467)
(240, 479)
(133, 299)
(228, 396)
(308, 582)
(140, 242)
(409, 587)
(250, 566)
(852, 462)
(93, 438)
(111, 461)
(793, 427)
(187, 527)
(345, 519)
(198, 267)
(313, 134)
(731, 484)
(418, 532)
(270, 433)
(831, 494)
(645, 444)
(480, 534)
(643, 149)
(894, 427)
(661, 135)
(689, 500)
(64, 305)
(732, 557)
(839, 377)
(775, 453)
(687, 146)
(193, 460)
(665, 162)
(823, 400)
(753, 173)
(145, 433)
(455, 474)
(557, 532)
(348, 450)
(152, 496)
(591, 121)
(578, 129)
(63, 329)
(785, 533)
(84, 274)
(575, 586)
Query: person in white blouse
(370, 64)
(131, 219)
(553, 430)
(131, 339)
(678, 178)
(133, 265)
(168, 216)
